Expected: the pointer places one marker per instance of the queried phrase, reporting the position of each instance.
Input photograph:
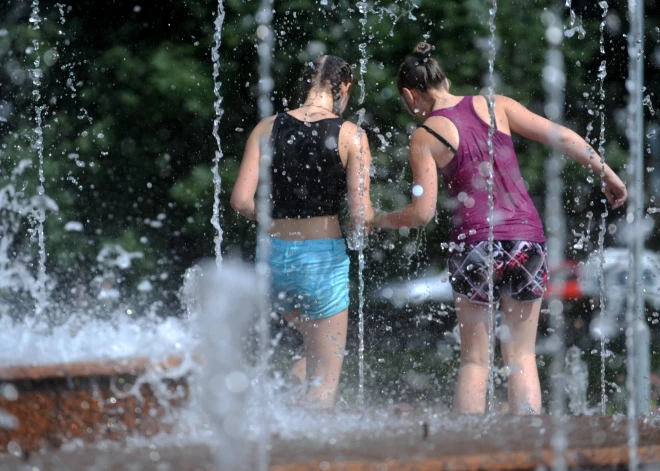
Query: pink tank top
(466, 177)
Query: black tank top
(308, 177)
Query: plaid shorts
(520, 270)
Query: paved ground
(407, 442)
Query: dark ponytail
(419, 71)
(326, 71)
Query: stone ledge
(88, 401)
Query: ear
(345, 88)
(408, 96)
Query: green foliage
(127, 128)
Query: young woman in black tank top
(318, 159)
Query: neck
(320, 100)
(441, 98)
(432, 100)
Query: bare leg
(325, 340)
(297, 373)
(518, 350)
(472, 385)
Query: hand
(378, 219)
(614, 189)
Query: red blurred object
(570, 288)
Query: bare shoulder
(351, 133)
(266, 123)
(351, 129)
(440, 125)
(421, 135)
(506, 102)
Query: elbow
(422, 215)
(422, 219)
(235, 204)
(239, 204)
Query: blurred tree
(128, 99)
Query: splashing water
(491, 205)
(647, 102)
(217, 106)
(362, 8)
(77, 340)
(359, 234)
(635, 214)
(39, 213)
(227, 384)
(576, 381)
(575, 24)
(554, 80)
(61, 7)
(265, 49)
(602, 73)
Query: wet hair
(326, 71)
(419, 71)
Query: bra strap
(438, 137)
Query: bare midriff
(324, 227)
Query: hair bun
(423, 49)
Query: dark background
(139, 75)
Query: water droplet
(9, 392)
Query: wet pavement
(96, 416)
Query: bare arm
(242, 196)
(353, 141)
(425, 188)
(534, 127)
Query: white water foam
(88, 339)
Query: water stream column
(637, 334)
(358, 240)
(491, 205)
(39, 214)
(217, 106)
(602, 73)
(554, 80)
(637, 330)
(264, 221)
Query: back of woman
(308, 175)
(466, 180)
(454, 139)
(318, 159)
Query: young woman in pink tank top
(454, 139)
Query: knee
(518, 360)
(474, 358)
(513, 351)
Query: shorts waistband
(308, 243)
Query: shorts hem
(483, 303)
(540, 298)
(315, 317)
(498, 300)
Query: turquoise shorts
(309, 275)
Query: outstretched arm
(534, 127)
(242, 196)
(425, 188)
